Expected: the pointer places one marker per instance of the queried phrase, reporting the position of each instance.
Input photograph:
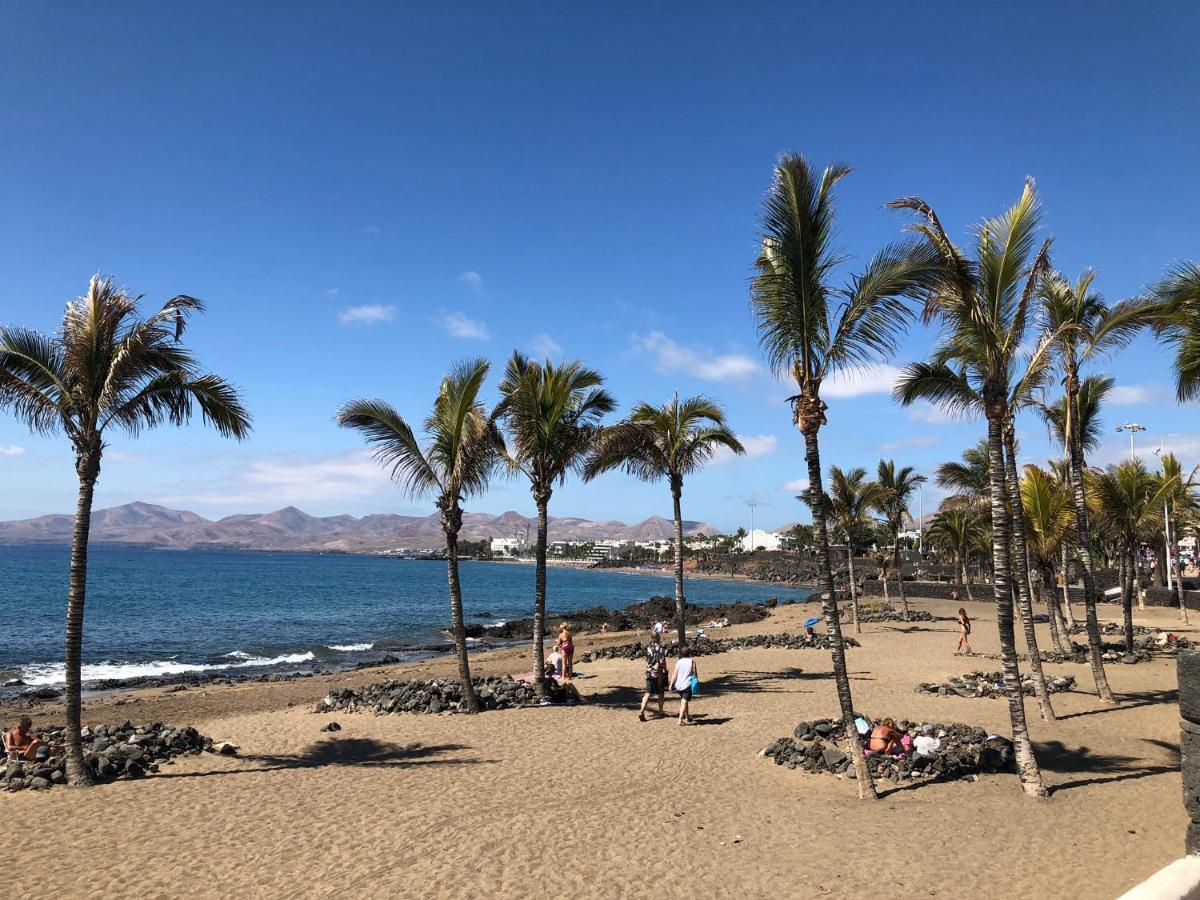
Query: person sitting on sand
(681, 679)
(926, 744)
(20, 743)
(964, 633)
(555, 660)
(810, 636)
(885, 738)
(566, 646)
(656, 676)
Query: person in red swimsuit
(566, 646)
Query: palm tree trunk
(841, 675)
(680, 624)
(1020, 565)
(78, 771)
(1176, 574)
(1066, 587)
(966, 580)
(458, 627)
(853, 586)
(1127, 588)
(1027, 765)
(1135, 573)
(1084, 537)
(542, 499)
(1058, 625)
(896, 561)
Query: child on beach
(681, 679)
(964, 633)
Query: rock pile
(113, 752)
(989, 684)
(437, 696)
(707, 646)
(886, 613)
(1109, 629)
(634, 617)
(966, 751)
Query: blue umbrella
(809, 623)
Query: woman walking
(964, 633)
(683, 678)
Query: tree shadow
(366, 752)
(745, 682)
(1131, 700)
(1055, 756)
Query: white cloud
(11, 450)
(473, 280)
(756, 445)
(917, 440)
(371, 229)
(544, 345)
(796, 484)
(1133, 394)
(121, 456)
(332, 293)
(930, 415)
(877, 378)
(369, 314)
(293, 480)
(671, 357)
(458, 325)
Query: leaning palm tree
(956, 390)
(1049, 515)
(896, 489)
(1079, 325)
(106, 369)
(811, 329)
(983, 307)
(1126, 501)
(1175, 316)
(957, 531)
(462, 451)
(670, 442)
(552, 413)
(1179, 493)
(851, 499)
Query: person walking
(684, 677)
(964, 633)
(656, 675)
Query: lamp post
(921, 522)
(1133, 428)
(752, 504)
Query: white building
(607, 550)
(764, 540)
(510, 547)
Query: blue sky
(363, 193)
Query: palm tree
(810, 330)
(106, 369)
(1079, 325)
(983, 306)
(670, 442)
(1126, 502)
(1175, 316)
(954, 389)
(1093, 391)
(552, 413)
(969, 481)
(851, 499)
(1179, 493)
(896, 489)
(957, 531)
(1049, 515)
(462, 450)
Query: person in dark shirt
(656, 675)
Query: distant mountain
(293, 529)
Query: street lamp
(752, 504)
(1166, 526)
(1133, 428)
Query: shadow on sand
(1054, 756)
(1131, 700)
(344, 752)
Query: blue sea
(161, 612)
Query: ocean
(161, 612)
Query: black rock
(331, 726)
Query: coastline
(753, 829)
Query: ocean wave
(55, 673)
(351, 648)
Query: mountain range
(145, 524)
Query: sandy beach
(588, 801)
